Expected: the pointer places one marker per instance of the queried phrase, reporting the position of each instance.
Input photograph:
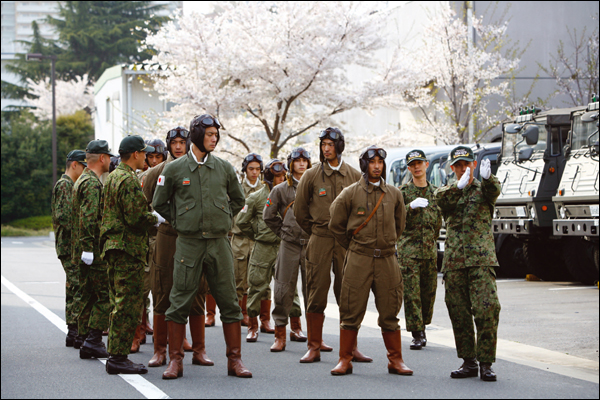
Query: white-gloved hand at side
(87, 258)
(464, 180)
(419, 202)
(486, 169)
(160, 218)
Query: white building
(123, 107)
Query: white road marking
(546, 360)
(17, 242)
(575, 288)
(510, 280)
(140, 384)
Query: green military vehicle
(576, 200)
(530, 168)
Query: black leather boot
(486, 372)
(93, 346)
(71, 335)
(78, 342)
(467, 370)
(423, 338)
(122, 365)
(416, 343)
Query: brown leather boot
(197, 330)
(279, 344)
(314, 324)
(243, 305)
(186, 345)
(360, 357)
(296, 334)
(393, 344)
(233, 339)
(252, 330)
(149, 330)
(140, 332)
(143, 323)
(265, 317)
(211, 308)
(325, 347)
(347, 346)
(160, 342)
(176, 333)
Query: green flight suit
(469, 266)
(417, 256)
(62, 215)
(200, 201)
(87, 217)
(242, 246)
(124, 238)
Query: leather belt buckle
(377, 253)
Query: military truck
(576, 200)
(530, 168)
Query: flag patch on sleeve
(161, 181)
(268, 203)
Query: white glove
(420, 202)
(160, 218)
(486, 169)
(464, 180)
(87, 258)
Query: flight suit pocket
(257, 274)
(184, 273)
(319, 209)
(397, 295)
(184, 221)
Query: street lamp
(38, 56)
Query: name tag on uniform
(186, 181)
(322, 192)
(361, 211)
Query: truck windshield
(510, 139)
(581, 132)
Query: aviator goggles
(277, 167)
(300, 153)
(371, 153)
(159, 149)
(207, 120)
(331, 133)
(173, 133)
(253, 157)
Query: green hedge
(34, 223)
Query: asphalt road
(548, 348)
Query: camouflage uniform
(242, 247)
(124, 235)
(62, 214)
(87, 217)
(417, 256)
(469, 266)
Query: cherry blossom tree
(455, 83)
(274, 72)
(71, 96)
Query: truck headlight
(532, 212)
(563, 212)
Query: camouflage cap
(77, 155)
(133, 143)
(415, 155)
(461, 153)
(98, 147)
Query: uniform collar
(343, 169)
(193, 164)
(126, 168)
(370, 188)
(67, 177)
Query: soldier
(163, 264)
(469, 263)
(316, 191)
(252, 167)
(158, 155)
(366, 219)
(62, 214)
(124, 239)
(87, 217)
(417, 250)
(280, 218)
(264, 252)
(199, 194)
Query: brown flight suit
(371, 262)
(316, 191)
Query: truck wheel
(544, 259)
(579, 257)
(511, 260)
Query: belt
(375, 253)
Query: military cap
(77, 155)
(415, 155)
(461, 153)
(133, 143)
(98, 147)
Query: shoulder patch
(161, 181)
(268, 203)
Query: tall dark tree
(92, 36)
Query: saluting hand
(464, 180)
(419, 202)
(486, 169)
